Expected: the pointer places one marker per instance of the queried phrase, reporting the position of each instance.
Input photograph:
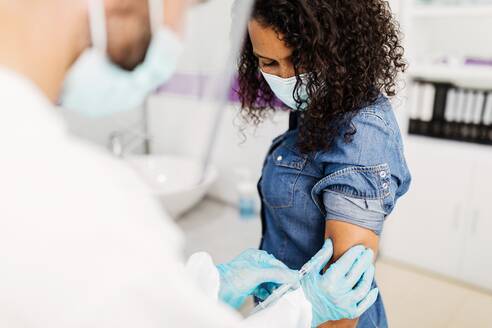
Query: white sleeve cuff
(292, 310)
(202, 270)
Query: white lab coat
(82, 244)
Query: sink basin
(174, 180)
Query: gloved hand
(242, 276)
(265, 290)
(344, 290)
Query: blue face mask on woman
(96, 87)
(284, 89)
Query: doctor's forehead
(129, 31)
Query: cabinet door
(477, 264)
(426, 228)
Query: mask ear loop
(156, 15)
(97, 25)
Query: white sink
(175, 180)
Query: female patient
(339, 169)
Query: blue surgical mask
(96, 87)
(284, 89)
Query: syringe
(281, 291)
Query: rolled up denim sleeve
(363, 196)
(365, 213)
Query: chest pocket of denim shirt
(280, 175)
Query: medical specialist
(339, 169)
(82, 244)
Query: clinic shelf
(471, 133)
(452, 11)
(467, 76)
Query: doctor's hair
(352, 50)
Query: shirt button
(279, 159)
(385, 185)
(382, 174)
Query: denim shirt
(358, 182)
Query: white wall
(183, 126)
(458, 36)
(98, 130)
(207, 41)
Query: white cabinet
(444, 223)
(477, 264)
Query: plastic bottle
(247, 195)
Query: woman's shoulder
(379, 116)
(372, 136)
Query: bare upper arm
(344, 236)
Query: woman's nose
(286, 72)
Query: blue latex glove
(242, 277)
(344, 290)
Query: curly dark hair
(353, 47)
